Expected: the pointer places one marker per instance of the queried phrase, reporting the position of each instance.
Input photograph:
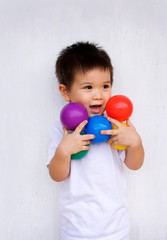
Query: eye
(106, 86)
(88, 87)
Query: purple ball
(72, 115)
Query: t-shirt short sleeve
(56, 134)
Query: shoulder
(56, 134)
(57, 125)
(56, 128)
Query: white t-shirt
(93, 204)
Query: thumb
(129, 124)
(65, 131)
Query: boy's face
(92, 89)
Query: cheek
(84, 98)
(107, 96)
(76, 97)
(84, 102)
(81, 99)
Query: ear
(64, 92)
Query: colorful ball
(72, 115)
(95, 125)
(119, 107)
(79, 155)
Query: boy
(93, 201)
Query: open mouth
(96, 108)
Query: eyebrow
(85, 83)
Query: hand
(124, 136)
(75, 142)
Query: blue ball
(95, 125)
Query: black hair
(81, 56)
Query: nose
(98, 94)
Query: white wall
(31, 34)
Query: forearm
(59, 167)
(135, 156)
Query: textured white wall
(31, 34)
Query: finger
(65, 131)
(114, 121)
(88, 136)
(109, 132)
(113, 142)
(113, 139)
(81, 126)
(129, 124)
(84, 148)
(86, 142)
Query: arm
(135, 154)
(59, 167)
(127, 136)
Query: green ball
(79, 155)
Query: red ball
(119, 107)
